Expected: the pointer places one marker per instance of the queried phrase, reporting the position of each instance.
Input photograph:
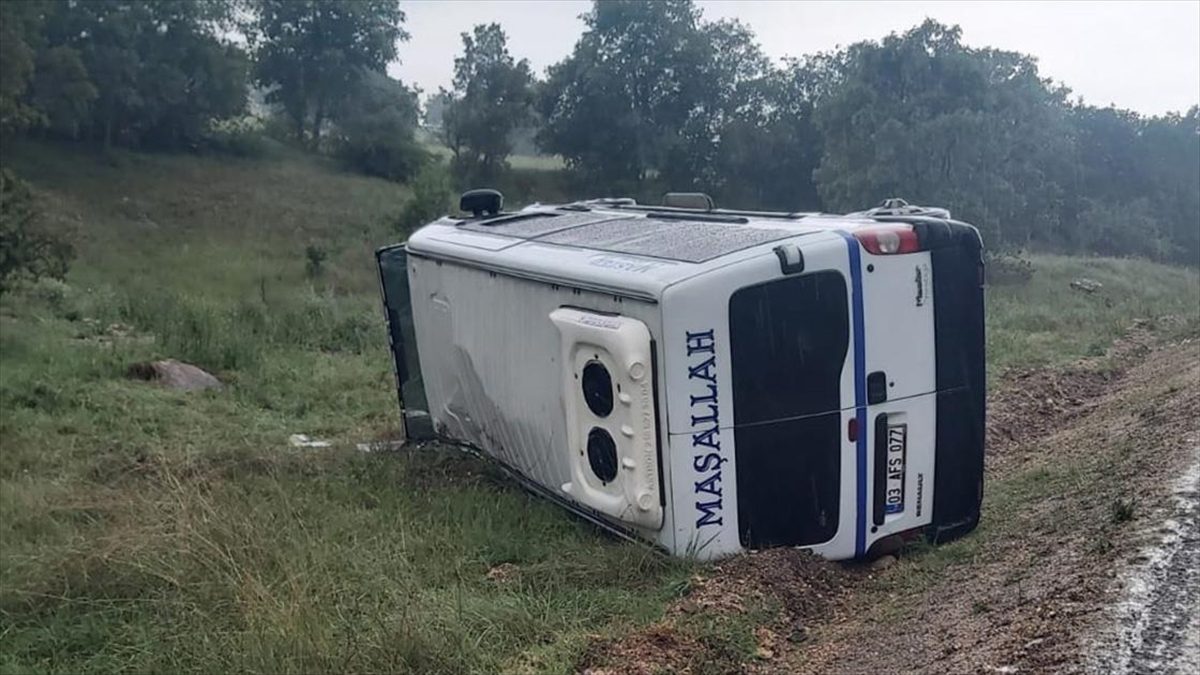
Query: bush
(314, 264)
(27, 251)
(1128, 229)
(1121, 510)
(394, 159)
(238, 136)
(54, 294)
(430, 199)
(374, 130)
(1007, 269)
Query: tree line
(652, 93)
(652, 97)
(180, 75)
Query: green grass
(536, 162)
(145, 530)
(518, 162)
(1046, 321)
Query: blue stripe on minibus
(860, 388)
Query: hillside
(150, 530)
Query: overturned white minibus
(706, 380)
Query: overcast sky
(1139, 55)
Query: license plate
(897, 450)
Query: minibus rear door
(895, 387)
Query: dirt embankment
(1080, 464)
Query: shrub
(394, 159)
(430, 199)
(314, 264)
(237, 136)
(1007, 269)
(27, 251)
(1129, 229)
(374, 130)
(1121, 510)
(56, 295)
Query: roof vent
(688, 200)
(481, 202)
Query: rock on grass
(175, 375)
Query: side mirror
(481, 202)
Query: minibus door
(895, 327)
(789, 340)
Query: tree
(491, 99)
(142, 73)
(922, 116)
(652, 93)
(375, 125)
(27, 250)
(1109, 153)
(435, 109)
(311, 53)
(1171, 147)
(727, 91)
(20, 28)
(617, 107)
(62, 92)
(1138, 183)
(770, 147)
(431, 198)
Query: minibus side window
(788, 342)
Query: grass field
(529, 162)
(146, 530)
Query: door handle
(876, 387)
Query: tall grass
(359, 563)
(220, 336)
(1046, 321)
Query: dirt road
(1087, 558)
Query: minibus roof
(623, 248)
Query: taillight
(889, 239)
